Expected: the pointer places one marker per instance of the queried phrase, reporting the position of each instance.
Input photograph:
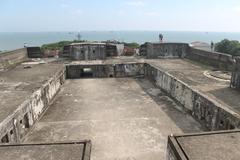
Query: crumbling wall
(12, 58)
(208, 112)
(235, 80)
(129, 70)
(98, 71)
(17, 125)
(88, 52)
(164, 50)
(106, 70)
(215, 59)
(182, 50)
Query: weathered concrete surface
(197, 92)
(12, 58)
(105, 70)
(222, 145)
(25, 93)
(88, 51)
(18, 84)
(193, 75)
(164, 50)
(124, 118)
(46, 151)
(235, 80)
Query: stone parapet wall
(215, 59)
(235, 80)
(209, 113)
(164, 50)
(17, 125)
(106, 70)
(12, 58)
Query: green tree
(58, 45)
(132, 45)
(229, 47)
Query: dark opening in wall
(26, 121)
(87, 73)
(5, 139)
(231, 127)
(11, 132)
(221, 124)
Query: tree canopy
(231, 47)
(132, 45)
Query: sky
(111, 15)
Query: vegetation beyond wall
(58, 45)
(228, 47)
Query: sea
(15, 40)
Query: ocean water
(10, 41)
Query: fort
(171, 102)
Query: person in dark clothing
(212, 46)
(160, 37)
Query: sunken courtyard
(170, 102)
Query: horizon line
(121, 31)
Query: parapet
(164, 50)
(92, 50)
(235, 80)
(12, 58)
(54, 151)
(218, 60)
(222, 145)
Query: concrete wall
(12, 58)
(106, 70)
(17, 125)
(182, 50)
(88, 52)
(120, 49)
(235, 80)
(215, 59)
(34, 52)
(211, 114)
(174, 152)
(208, 112)
(66, 51)
(188, 146)
(164, 50)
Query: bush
(132, 45)
(229, 47)
(58, 45)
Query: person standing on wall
(161, 38)
(212, 46)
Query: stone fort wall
(215, 59)
(12, 58)
(182, 50)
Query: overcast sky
(79, 15)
